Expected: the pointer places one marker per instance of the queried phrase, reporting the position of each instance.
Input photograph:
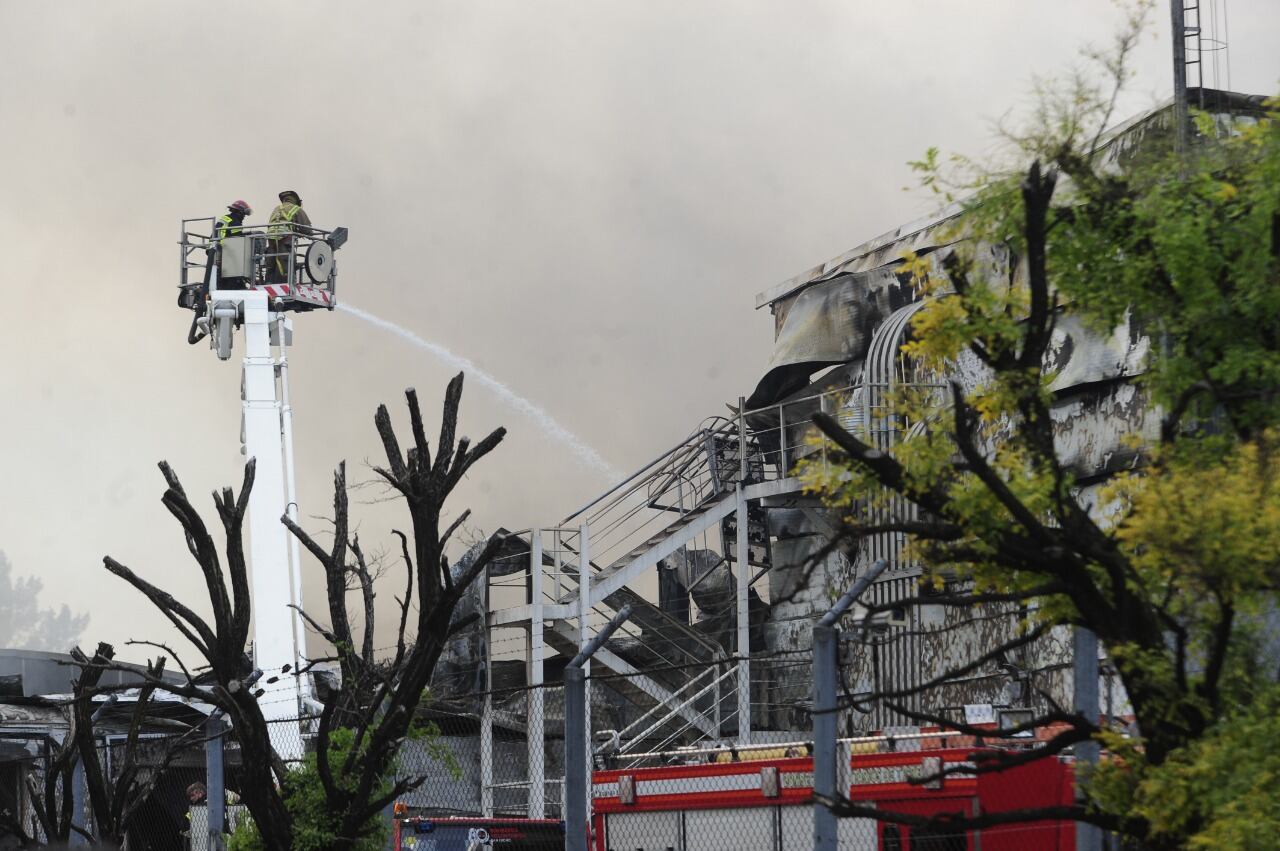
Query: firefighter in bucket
(286, 219)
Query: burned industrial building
(724, 558)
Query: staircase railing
(637, 733)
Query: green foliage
(1178, 564)
(244, 835)
(1216, 793)
(315, 823)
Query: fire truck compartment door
(657, 831)
(852, 834)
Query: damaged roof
(929, 232)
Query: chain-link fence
(144, 790)
(490, 767)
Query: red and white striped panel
(302, 292)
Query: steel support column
(744, 622)
(584, 613)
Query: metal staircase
(675, 675)
(686, 680)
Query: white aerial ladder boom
(233, 294)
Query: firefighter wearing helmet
(229, 222)
(286, 219)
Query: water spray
(539, 415)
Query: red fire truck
(766, 804)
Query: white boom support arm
(276, 630)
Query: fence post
(486, 711)
(78, 813)
(824, 733)
(576, 736)
(826, 644)
(575, 759)
(215, 780)
(535, 723)
(1085, 699)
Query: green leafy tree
(1177, 572)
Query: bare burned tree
(115, 797)
(223, 645)
(376, 699)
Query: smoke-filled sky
(580, 197)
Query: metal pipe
(782, 441)
(584, 613)
(575, 759)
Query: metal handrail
(682, 444)
(635, 758)
(657, 706)
(678, 710)
(271, 240)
